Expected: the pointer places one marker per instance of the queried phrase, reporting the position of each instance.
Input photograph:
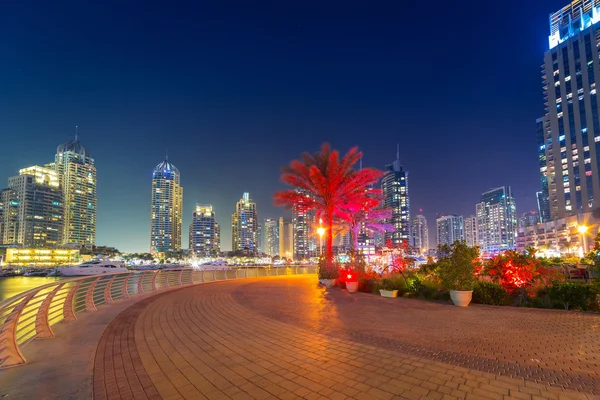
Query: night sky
(235, 90)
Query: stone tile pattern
(268, 338)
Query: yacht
(95, 267)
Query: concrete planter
(388, 293)
(461, 298)
(352, 287)
(328, 283)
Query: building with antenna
(394, 186)
(77, 179)
(166, 208)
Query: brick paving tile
(287, 338)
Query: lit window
(587, 161)
(586, 148)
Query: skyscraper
(203, 235)
(166, 209)
(286, 239)
(77, 179)
(394, 186)
(569, 132)
(271, 237)
(449, 229)
(530, 218)
(217, 238)
(33, 209)
(303, 222)
(497, 220)
(420, 233)
(244, 225)
(470, 228)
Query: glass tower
(394, 186)
(569, 132)
(77, 178)
(497, 220)
(449, 229)
(166, 208)
(203, 235)
(271, 237)
(420, 234)
(244, 225)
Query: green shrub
(394, 282)
(426, 286)
(489, 293)
(456, 266)
(327, 272)
(572, 295)
(368, 283)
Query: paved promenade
(287, 338)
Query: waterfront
(13, 285)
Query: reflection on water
(13, 285)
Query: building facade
(394, 186)
(286, 239)
(449, 229)
(420, 234)
(77, 179)
(244, 225)
(496, 220)
(559, 237)
(529, 218)
(569, 132)
(166, 209)
(470, 228)
(23, 257)
(304, 227)
(203, 236)
(32, 212)
(271, 237)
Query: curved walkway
(287, 338)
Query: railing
(31, 314)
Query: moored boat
(95, 267)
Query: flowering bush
(512, 270)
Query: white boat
(95, 267)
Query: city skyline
(128, 115)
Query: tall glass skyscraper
(244, 225)
(420, 233)
(303, 222)
(497, 220)
(569, 132)
(394, 186)
(449, 229)
(166, 209)
(203, 235)
(77, 178)
(470, 228)
(271, 237)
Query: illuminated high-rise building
(286, 239)
(470, 228)
(449, 229)
(244, 225)
(217, 238)
(569, 132)
(203, 235)
(420, 234)
(77, 179)
(394, 186)
(303, 222)
(271, 237)
(32, 212)
(497, 220)
(166, 209)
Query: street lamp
(321, 232)
(583, 230)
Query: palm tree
(331, 186)
(368, 217)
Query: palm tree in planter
(456, 267)
(329, 185)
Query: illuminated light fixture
(582, 228)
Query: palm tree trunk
(354, 232)
(329, 249)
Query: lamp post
(321, 232)
(583, 230)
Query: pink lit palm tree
(331, 186)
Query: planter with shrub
(390, 286)
(457, 271)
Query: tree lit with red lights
(333, 186)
